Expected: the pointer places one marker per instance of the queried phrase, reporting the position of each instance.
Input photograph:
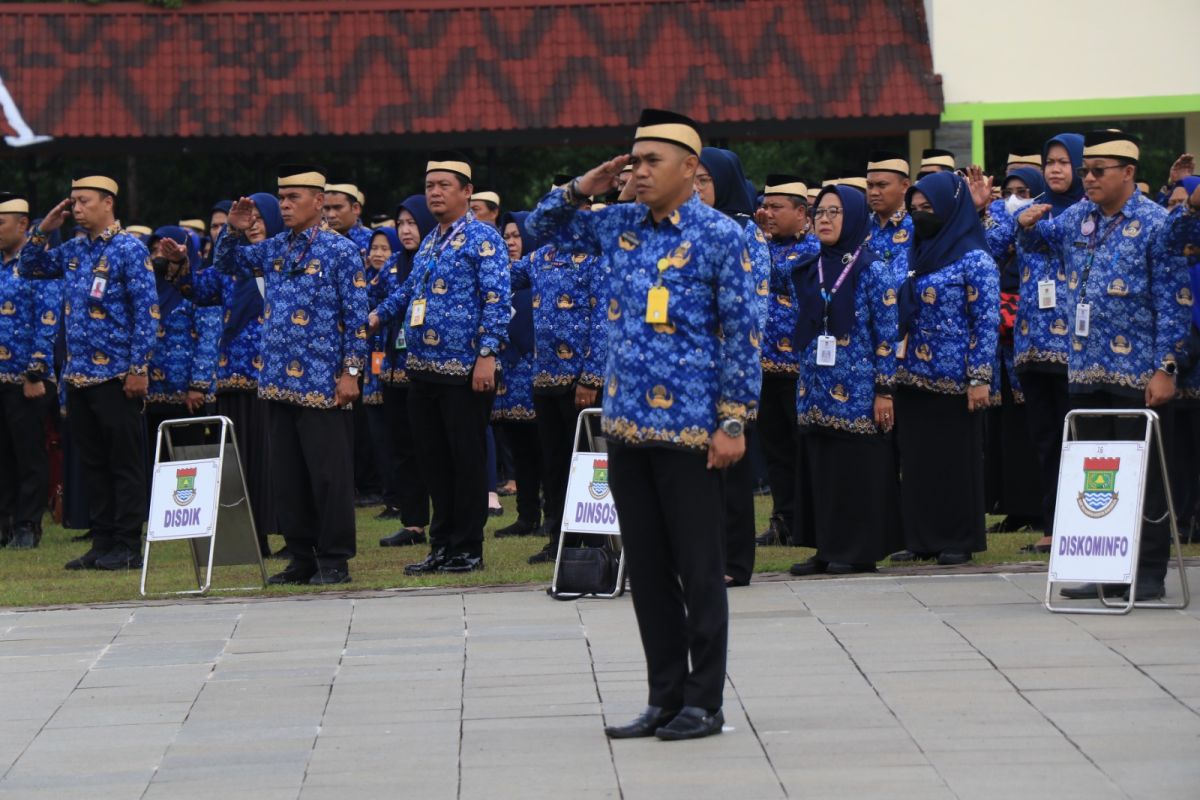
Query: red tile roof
(536, 68)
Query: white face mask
(1014, 204)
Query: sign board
(589, 507)
(183, 499)
(1098, 515)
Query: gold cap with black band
(657, 125)
(301, 176)
(13, 204)
(196, 225)
(487, 197)
(449, 161)
(99, 183)
(935, 157)
(1111, 144)
(1018, 160)
(348, 189)
(888, 161)
(788, 185)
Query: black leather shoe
(496, 512)
(518, 528)
(1149, 589)
(403, 538)
(546, 555)
(1088, 591)
(813, 566)
(85, 561)
(430, 563)
(691, 723)
(119, 558)
(86, 536)
(461, 563)
(297, 572)
(389, 512)
(776, 533)
(949, 559)
(649, 721)
(328, 576)
(841, 568)
(24, 537)
(907, 555)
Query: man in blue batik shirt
(314, 347)
(342, 211)
(683, 375)
(887, 183)
(111, 315)
(1131, 306)
(28, 324)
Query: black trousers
(526, 449)
(739, 516)
(383, 452)
(24, 467)
(107, 428)
(367, 479)
(1046, 406)
(313, 482)
(248, 412)
(556, 420)
(411, 490)
(154, 414)
(777, 429)
(669, 503)
(1155, 549)
(449, 423)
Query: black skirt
(249, 416)
(941, 472)
(852, 494)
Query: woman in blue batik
(720, 183)
(512, 410)
(949, 303)
(845, 335)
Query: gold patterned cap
(196, 225)
(888, 161)
(786, 185)
(935, 157)
(487, 197)
(1111, 144)
(449, 161)
(302, 176)
(13, 204)
(657, 125)
(348, 189)
(99, 183)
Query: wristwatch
(486, 352)
(1169, 367)
(352, 372)
(976, 382)
(733, 427)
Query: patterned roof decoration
(470, 69)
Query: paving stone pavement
(888, 687)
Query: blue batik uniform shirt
(314, 310)
(29, 315)
(670, 383)
(1139, 292)
(778, 354)
(463, 277)
(892, 237)
(110, 303)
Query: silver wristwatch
(733, 427)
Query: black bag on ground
(586, 570)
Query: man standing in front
(314, 346)
(111, 311)
(683, 374)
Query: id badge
(401, 342)
(376, 363)
(826, 351)
(656, 304)
(417, 318)
(902, 348)
(1047, 296)
(99, 285)
(1083, 319)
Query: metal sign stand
(614, 538)
(238, 543)
(1153, 435)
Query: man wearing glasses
(1130, 313)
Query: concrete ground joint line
(192, 707)
(754, 730)
(103, 651)
(1040, 713)
(890, 710)
(329, 696)
(612, 757)
(462, 694)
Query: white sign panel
(589, 507)
(1097, 519)
(183, 499)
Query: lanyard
(827, 296)
(312, 237)
(436, 257)
(1094, 245)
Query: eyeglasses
(703, 180)
(1021, 192)
(833, 212)
(1098, 172)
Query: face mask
(1014, 204)
(160, 265)
(926, 224)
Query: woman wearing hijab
(949, 306)
(721, 183)
(1185, 456)
(1042, 326)
(239, 360)
(513, 412)
(183, 366)
(413, 224)
(845, 334)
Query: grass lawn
(36, 577)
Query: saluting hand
(980, 186)
(241, 214)
(176, 256)
(56, 216)
(725, 450)
(1030, 216)
(603, 179)
(1184, 166)
(372, 322)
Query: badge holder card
(1091, 543)
(594, 445)
(198, 491)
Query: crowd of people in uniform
(876, 336)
